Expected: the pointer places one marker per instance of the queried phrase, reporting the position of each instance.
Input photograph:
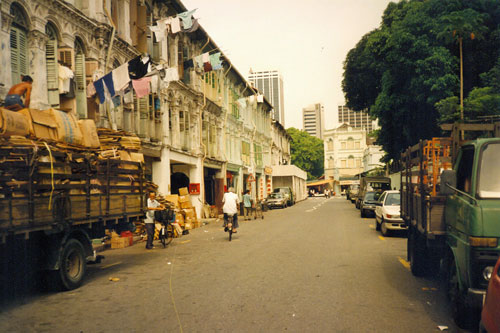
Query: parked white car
(388, 214)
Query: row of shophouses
(205, 130)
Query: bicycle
(166, 234)
(229, 219)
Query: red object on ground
(491, 310)
(129, 235)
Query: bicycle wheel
(169, 235)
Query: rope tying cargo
(51, 175)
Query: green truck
(450, 201)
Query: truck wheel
(72, 265)
(417, 255)
(462, 313)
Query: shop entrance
(178, 180)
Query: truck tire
(416, 254)
(383, 229)
(72, 266)
(461, 312)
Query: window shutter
(18, 54)
(142, 108)
(66, 56)
(14, 55)
(52, 72)
(80, 78)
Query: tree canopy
(406, 72)
(307, 152)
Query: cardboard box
(184, 198)
(183, 191)
(42, 124)
(188, 226)
(179, 219)
(173, 198)
(67, 127)
(186, 204)
(190, 213)
(137, 157)
(89, 133)
(13, 123)
(119, 242)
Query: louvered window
(52, 72)
(18, 54)
(81, 94)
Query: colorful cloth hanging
(142, 86)
(186, 18)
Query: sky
(306, 40)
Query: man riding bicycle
(230, 208)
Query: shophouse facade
(344, 149)
(199, 128)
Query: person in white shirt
(230, 207)
(150, 218)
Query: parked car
(387, 213)
(367, 204)
(490, 316)
(276, 200)
(353, 193)
(287, 192)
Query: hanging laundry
(91, 89)
(207, 67)
(164, 49)
(198, 61)
(128, 97)
(260, 98)
(65, 75)
(186, 18)
(194, 27)
(175, 25)
(162, 24)
(108, 80)
(242, 102)
(215, 61)
(120, 77)
(171, 74)
(154, 84)
(159, 33)
(142, 86)
(188, 64)
(117, 101)
(205, 57)
(99, 87)
(137, 68)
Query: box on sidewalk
(183, 191)
(119, 242)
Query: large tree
(307, 152)
(399, 71)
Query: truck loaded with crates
(450, 201)
(55, 198)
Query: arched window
(350, 143)
(330, 144)
(18, 43)
(350, 161)
(52, 65)
(330, 163)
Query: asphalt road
(313, 267)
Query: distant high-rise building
(356, 119)
(270, 83)
(313, 119)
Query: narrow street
(313, 267)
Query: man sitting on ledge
(13, 99)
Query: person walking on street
(153, 205)
(247, 203)
(230, 207)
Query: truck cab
(471, 218)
